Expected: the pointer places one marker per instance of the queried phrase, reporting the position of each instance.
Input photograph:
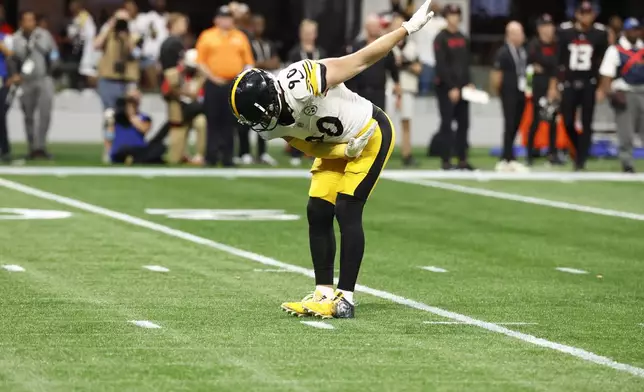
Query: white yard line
(270, 270)
(573, 351)
(525, 199)
(318, 324)
(571, 270)
(303, 173)
(458, 322)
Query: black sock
(348, 210)
(320, 214)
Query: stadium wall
(77, 119)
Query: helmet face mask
(256, 102)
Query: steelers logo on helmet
(255, 101)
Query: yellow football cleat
(296, 308)
(338, 307)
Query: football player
(308, 105)
(581, 47)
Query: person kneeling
(183, 90)
(130, 127)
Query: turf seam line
(392, 174)
(573, 351)
(526, 199)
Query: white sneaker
(247, 159)
(237, 160)
(267, 159)
(296, 162)
(518, 167)
(107, 159)
(502, 167)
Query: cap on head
(450, 9)
(585, 7)
(545, 19)
(190, 58)
(224, 10)
(631, 24)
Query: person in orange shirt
(223, 52)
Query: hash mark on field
(268, 261)
(434, 269)
(318, 324)
(461, 322)
(156, 268)
(571, 270)
(271, 270)
(145, 324)
(13, 268)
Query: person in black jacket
(508, 80)
(452, 74)
(542, 56)
(371, 83)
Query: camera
(120, 110)
(121, 26)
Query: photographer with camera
(119, 65)
(36, 52)
(129, 145)
(183, 90)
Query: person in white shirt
(425, 45)
(81, 33)
(622, 72)
(407, 59)
(153, 28)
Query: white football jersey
(331, 116)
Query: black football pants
(513, 106)
(572, 98)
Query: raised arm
(341, 69)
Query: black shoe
(447, 166)
(580, 167)
(554, 160)
(409, 161)
(465, 166)
(626, 168)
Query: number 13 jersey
(332, 115)
(581, 52)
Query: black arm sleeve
(442, 66)
(392, 67)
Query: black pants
(450, 112)
(5, 147)
(148, 155)
(540, 91)
(375, 96)
(513, 106)
(221, 125)
(244, 142)
(575, 96)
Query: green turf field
(500, 317)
